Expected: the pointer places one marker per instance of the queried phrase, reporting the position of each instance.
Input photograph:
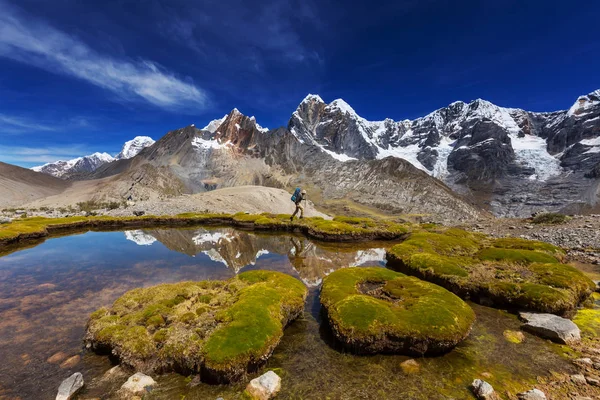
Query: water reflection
(309, 260)
(47, 292)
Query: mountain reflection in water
(309, 260)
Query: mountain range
(71, 169)
(457, 161)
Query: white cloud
(31, 41)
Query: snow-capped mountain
(83, 165)
(132, 147)
(474, 147)
(62, 168)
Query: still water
(47, 293)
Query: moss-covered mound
(221, 329)
(507, 272)
(373, 310)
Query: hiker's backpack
(296, 195)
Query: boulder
(578, 379)
(5, 220)
(550, 326)
(483, 390)
(70, 386)
(138, 384)
(533, 394)
(264, 387)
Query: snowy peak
(82, 165)
(214, 124)
(312, 98)
(132, 147)
(585, 105)
(64, 169)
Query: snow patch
(205, 144)
(211, 238)
(140, 238)
(213, 125)
(364, 257)
(531, 151)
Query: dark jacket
(299, 198)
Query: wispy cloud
(34, 42)
(16, 124)
(11, 124)
(28, 156)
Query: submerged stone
(483, 390)
(375, 310)
(70, 386)
(549, 326)
(264, 387)
(507, 272)
(138, 384)
(220, 329)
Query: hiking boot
(302, 216)
(291, 219)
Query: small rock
(583, 361)
(550, 326)
(264, 387)
(70, 362)
(533, 394)
(578, 379)
(113, 374)
(593, 380)
(514, 336)
(195, 381)
(70, 386)
(512, 227)
(139, 213)
(483, 390)
(138, 384)
(410, 366)
(5, 220)
(57, 357)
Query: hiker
(297, 199)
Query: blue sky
(79, 77)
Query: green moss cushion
(219, 328)
(506, 272)
(372, 310)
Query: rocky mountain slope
(79, 167)
(20, 185)
(510, 160)
(240, 152)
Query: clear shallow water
(47, 293)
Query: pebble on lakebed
(374, 310)
(220, 329)
(507, 272)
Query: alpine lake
(48, 291)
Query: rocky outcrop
(549, 326)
